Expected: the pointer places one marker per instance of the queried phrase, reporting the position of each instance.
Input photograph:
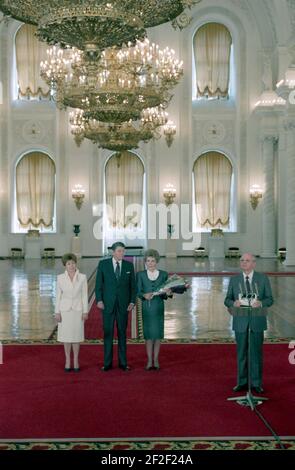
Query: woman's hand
(57, 317)
(85, 316)
(148, 296)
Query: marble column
(290, 188)
(268, 212)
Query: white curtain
(29, 53)
(124, 178)
(212, 47)
(212, 181)
(35, 190)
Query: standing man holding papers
(249, 288)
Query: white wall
(239, 134)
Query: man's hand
(100, 304)
(148, 296)
(57, 317)
(85, 316)
(237, 303)
(257, 304)
(130, 307)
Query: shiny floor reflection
(28, 295)
(200, 313)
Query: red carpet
(94, 324)
(187, 398)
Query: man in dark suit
(249, 282)
(115, 293)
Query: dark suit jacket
(260, 282)
(108, 289)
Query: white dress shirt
(115, 264)
(250, 276)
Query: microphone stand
(249, 399)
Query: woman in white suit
(71, 309)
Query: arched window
(124, 197)
(212, 183)
(29, 52)
(212, 47)
(35, 193)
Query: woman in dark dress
(149, 281)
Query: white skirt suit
(71, 303)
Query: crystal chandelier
(118, 137)
(118, 86)
(93, 25)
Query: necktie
(117, 271)
(248, 287)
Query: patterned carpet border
(220, 340)
(149, 445)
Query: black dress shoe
(68, 369)
(76, 369)
(106, 368)
(125, 368)
(238, 388)
(258, 389)
(157, 367)
(148, 367)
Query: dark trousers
(109, 319)
(256, 355)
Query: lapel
(255, 283)
(123, 268)
(241, 284)
(75, 281)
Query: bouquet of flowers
(175, 284)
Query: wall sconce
(169, 193)
(78, 194)
(255, 194)
(169, 132)
(288, 82)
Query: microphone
(256, 289)
(241, 291)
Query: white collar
(75, 276)
(115, 262)
(250, 276)
(152, 274)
